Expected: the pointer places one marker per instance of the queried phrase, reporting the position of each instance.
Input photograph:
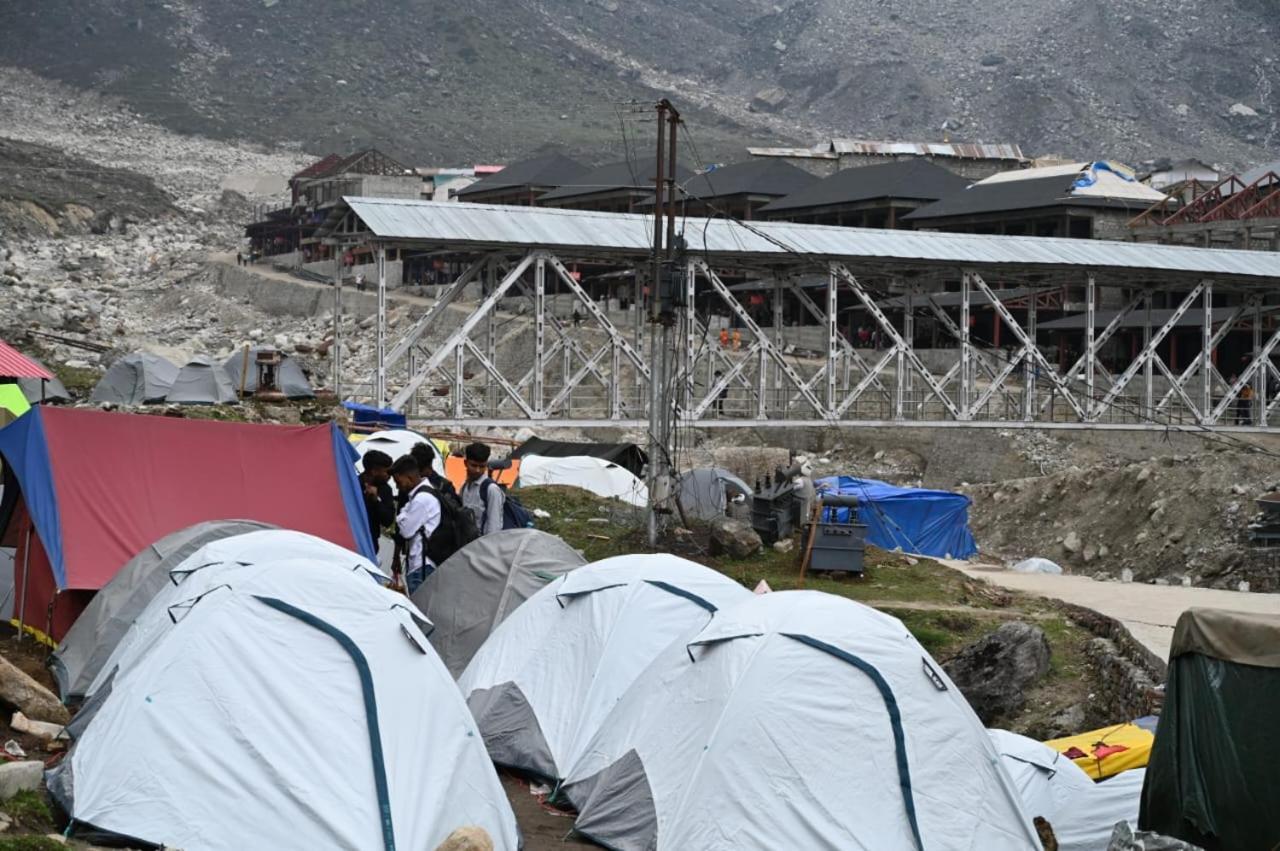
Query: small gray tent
(706, 491)
(37, 390)
(202, 382)
(136, 379)
(290, 379)
(89, 642)
(479, 585)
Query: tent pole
(26, 564)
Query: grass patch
(29, 810)
(79, 380)
(30, 843)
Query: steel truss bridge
(474, 360)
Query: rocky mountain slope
(435, 82)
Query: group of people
(731, 339)
(429, 519)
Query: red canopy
(99, 487)
(14, 364)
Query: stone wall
(1126, 675)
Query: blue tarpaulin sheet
(368, 415)
(927, 522)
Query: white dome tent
(397, 443)
(98, 629)
(796, 719)
(1082, 813)
(600, 477)
(189, 578)
(293, 704)
(480, 585)
(549, 674)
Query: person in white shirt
(415, 523)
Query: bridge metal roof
(462, 225)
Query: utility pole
(663, 286)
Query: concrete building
(972, 160)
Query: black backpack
(457, 528)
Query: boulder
(994, 672)
(34, 700)
(21, 776)
(734, 538)
(468, 838)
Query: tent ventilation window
(177, 577)
(187, 605)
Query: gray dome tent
(202, 382)
(706, 491)
(479, 585)
(136, 379)
(37, 391)
(290, 379)
(89, 642)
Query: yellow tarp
(12, 400)
(1132, 749)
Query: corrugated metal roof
(486, 225)
(958, 150)
(812, 153)
(14, 364)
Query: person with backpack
(426, 458)
(480, 494)
(416, 523)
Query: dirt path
(1148, 611)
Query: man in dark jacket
(379, 502)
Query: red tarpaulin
(99, 487)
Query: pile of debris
(1179, 519)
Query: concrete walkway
(1148, 611)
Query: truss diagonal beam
(1221, 334)
(512, 392)
(599, 315)
(442, 302)
(759, 335)
(464, 332)
(1149, 350)
(887, 326)
(1029, 345)
(726, 379)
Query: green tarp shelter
(1212, 779)
(13, 400)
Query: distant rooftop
(628, 174)
(916, 180)
(766, 178)
(1098, 184)
(834, 148)
(549, 170)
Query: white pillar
(539, 333)
(1206, 355)
(1148, 366)
(966, 371)
(380, 385)
(1029, 364)
(336, 351)
(1090, 356)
